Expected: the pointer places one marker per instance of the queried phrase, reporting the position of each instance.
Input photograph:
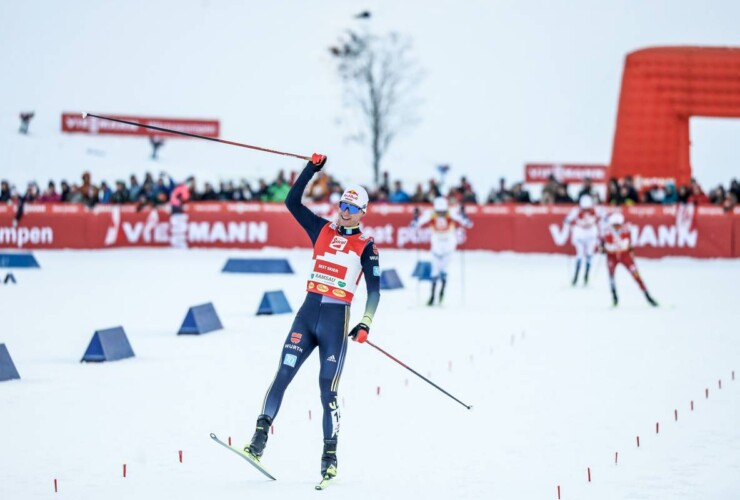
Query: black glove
(317, 161)
(360, 332)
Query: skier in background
(443, 225)
(617, 244)
(341, 255)
(584, 232)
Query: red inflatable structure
(662, 88)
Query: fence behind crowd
(658, 231)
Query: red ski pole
(417, 374)
(222, 141)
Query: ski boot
(615, 299)
(259, 440)
(585, 275)
(650, 300)
(442, 292)
(329, 459)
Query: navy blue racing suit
(321, 321)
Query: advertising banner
(657, 231)
(537, 173)
(74, 123)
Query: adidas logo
(332, 359)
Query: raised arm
(310, 222)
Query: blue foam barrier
(110, 344)
(274, 303)
(389, 280)
(200, 319)
(7, 368)
(262, 266)
(18, 260)
(423, 271)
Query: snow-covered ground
(559, 381)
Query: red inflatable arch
(661, 89)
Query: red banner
(564, 172)
(74, 123)
(657, 231)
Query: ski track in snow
(559, 381)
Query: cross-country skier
(443, 224)
(584, 232)
(341, 255)
(617, 243)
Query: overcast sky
(506, 82)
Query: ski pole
(417, 374)
(222, 141)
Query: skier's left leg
(436, 270)
(444, 263)
(579, 257)
(332, 335)
(630, 264)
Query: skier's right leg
(611, 263)
(299, 344)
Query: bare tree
(379, 76)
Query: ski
(324, 483)
(246, 456)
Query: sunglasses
(352, 209)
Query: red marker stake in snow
(378, 391)
(309, 414)
(616, 457)
(706, 393)
(692, 405)
(657, 427)
(589, 474)
(719, 383)
(638, 441)
(272, 429)
(124, 470)
(558, 492)
(229, 440)
(675, 415)
(55, 486)
(180, 453)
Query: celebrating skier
(584, 234)
(617, 243)
(443, 224)
(341, 255)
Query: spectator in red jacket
(697, 196)
(50, 195)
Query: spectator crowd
(151, 191)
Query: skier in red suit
(617, 244)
